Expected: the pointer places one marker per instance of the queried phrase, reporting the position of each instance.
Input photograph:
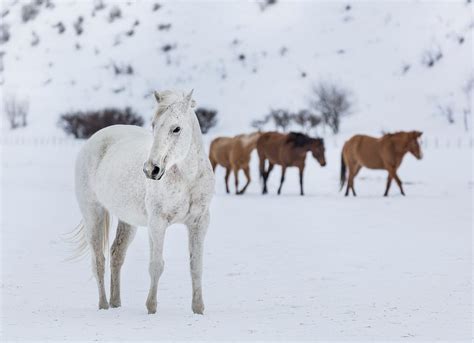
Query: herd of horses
(290, 149)
(159, 178)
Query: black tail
(343, 172)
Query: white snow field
(318, 267)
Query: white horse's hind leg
(156, 234)
(196, 233)
(123, 238)
(96, 230)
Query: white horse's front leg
(156, 234)
(197, 228)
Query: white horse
(151, 179)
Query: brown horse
(287, 150)
(386, 153)
(233, 153)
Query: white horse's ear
(158, 97)
(189, 99)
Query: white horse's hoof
(103, 305)
(115, 303)
(198, 308)
(151, 307)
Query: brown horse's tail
(343, 171)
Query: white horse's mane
(167, 98)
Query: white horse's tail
(78, 238)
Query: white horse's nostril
(155, 171)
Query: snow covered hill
(242, 60)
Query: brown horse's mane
(299, 139)
(393, 134)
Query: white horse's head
(172, 132)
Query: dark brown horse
(287, 150)
(386, 153)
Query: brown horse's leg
(265, 177)
(236, 176)
(283, 171)
(351, 180)
(213, 163)
(389, 182)
(348, 187)
(247, 175)
(399, 182)
(301, 180)
(227, 174)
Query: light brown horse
(233, 153)
(386, 153)
(287, 150)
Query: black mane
(299, 139)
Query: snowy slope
(364, 49)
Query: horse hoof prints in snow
(151, 179)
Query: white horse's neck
(191, 165)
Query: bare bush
(468, 90)
(331, 103)
(431, 56)
(78, 25)
(115, 13)
(447, 112)
(16, 112)
(207, 118)
(264, 4)
(124, 69)
(83, 124)
(281, 118)
(4, 33)
(29, 12)
(259, 124)
(306, 120)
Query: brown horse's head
(413, 145)
(317, 149)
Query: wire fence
(427, 142)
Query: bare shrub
(16, 112)
(78, 25)
(281, 118)
(83, 124)
(447, 112)
(264, 4)
(468, 91)
(259, 124)
(115, 13)
(331, 103)
(4, 33)
(60, 26)
(207, 118)
(306, 120)
(124, 69)
(432, 56)
(29, 12)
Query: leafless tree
(16, 112)
(331, 103)
(447, 112)
(306, 120)
(281, 119)
(468, 92)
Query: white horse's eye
(177, 129)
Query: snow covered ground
(276, 267)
